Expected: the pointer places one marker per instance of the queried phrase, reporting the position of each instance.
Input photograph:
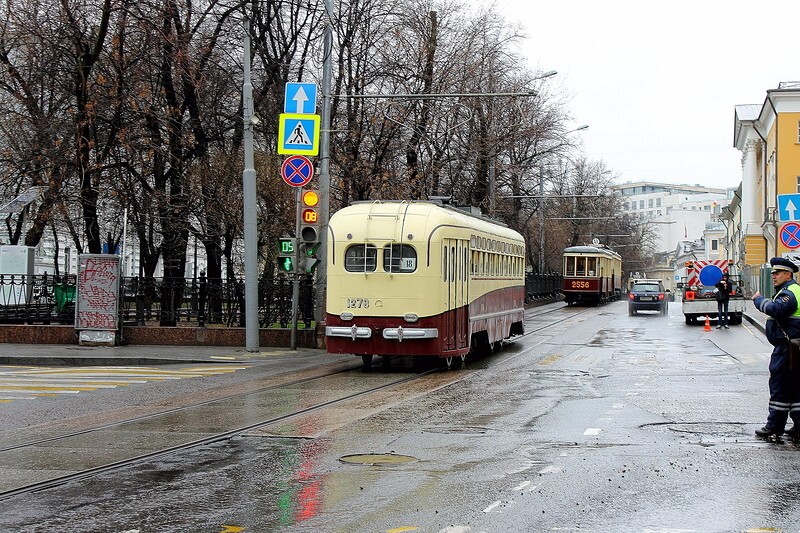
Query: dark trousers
(722, 313)
(784, 389)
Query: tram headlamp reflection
(346, 316)
(410, 317)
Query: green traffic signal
(286, 264)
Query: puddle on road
(372, 459)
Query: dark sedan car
(647, 296)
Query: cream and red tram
(420, 279)
(592, 274)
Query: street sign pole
(296, 280)
(324, 163)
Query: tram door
(455, 274)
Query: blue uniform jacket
(780, 309)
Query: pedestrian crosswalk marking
(28, 383)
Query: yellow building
(769, 138)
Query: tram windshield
(361, 258)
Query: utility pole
(541, 219)
(324, 164)
(249, 190)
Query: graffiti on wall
(98, 292)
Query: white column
(751, 215)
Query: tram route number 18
(357, 303)
(580, 284)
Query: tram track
(154, 419)
(157, 420)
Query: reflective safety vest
(794, 288)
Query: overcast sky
(657, 82)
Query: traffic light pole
(296, 274)
(324, 163)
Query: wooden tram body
(420, 279)
(592, 274)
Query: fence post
(201, 310)
(139, 301)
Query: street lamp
(579, 128)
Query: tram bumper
(400, 333)
(350, 332)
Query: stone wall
(165, 336)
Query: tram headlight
(410, 317)
(346, 316)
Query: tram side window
(361, 258)
(399, 258)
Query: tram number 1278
(357, 303)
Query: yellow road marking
(402, 529)
(550, 360)
(40, 387)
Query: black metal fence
(45, 299)
(201, 301)
(542, 286)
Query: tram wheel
(453, 363)
(367, 361)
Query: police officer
(783, 321)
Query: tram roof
(590, 250)
(429, 210)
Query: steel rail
(89, 472)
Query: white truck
(700, 293)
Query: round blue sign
(710, 275)
(790, 235)
(297, 170)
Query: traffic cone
(707, 327)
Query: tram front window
(399, 258)
(569, 266)
(580, 266)
(361, 258)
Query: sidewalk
(140, 355)
(754, 316)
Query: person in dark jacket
(783, 324)
(723, 297)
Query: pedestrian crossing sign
(298, 134)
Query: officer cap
(780, 263)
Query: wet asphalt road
(603, 422)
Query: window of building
(714, 245)
(798, 182)
(658, 202)
(706, 208)
(650, 202)
(641, 204)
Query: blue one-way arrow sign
(788, 207)
(300, 98)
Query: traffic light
(308, 256)
(287, 255)
(287, 247)
(309, 230)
